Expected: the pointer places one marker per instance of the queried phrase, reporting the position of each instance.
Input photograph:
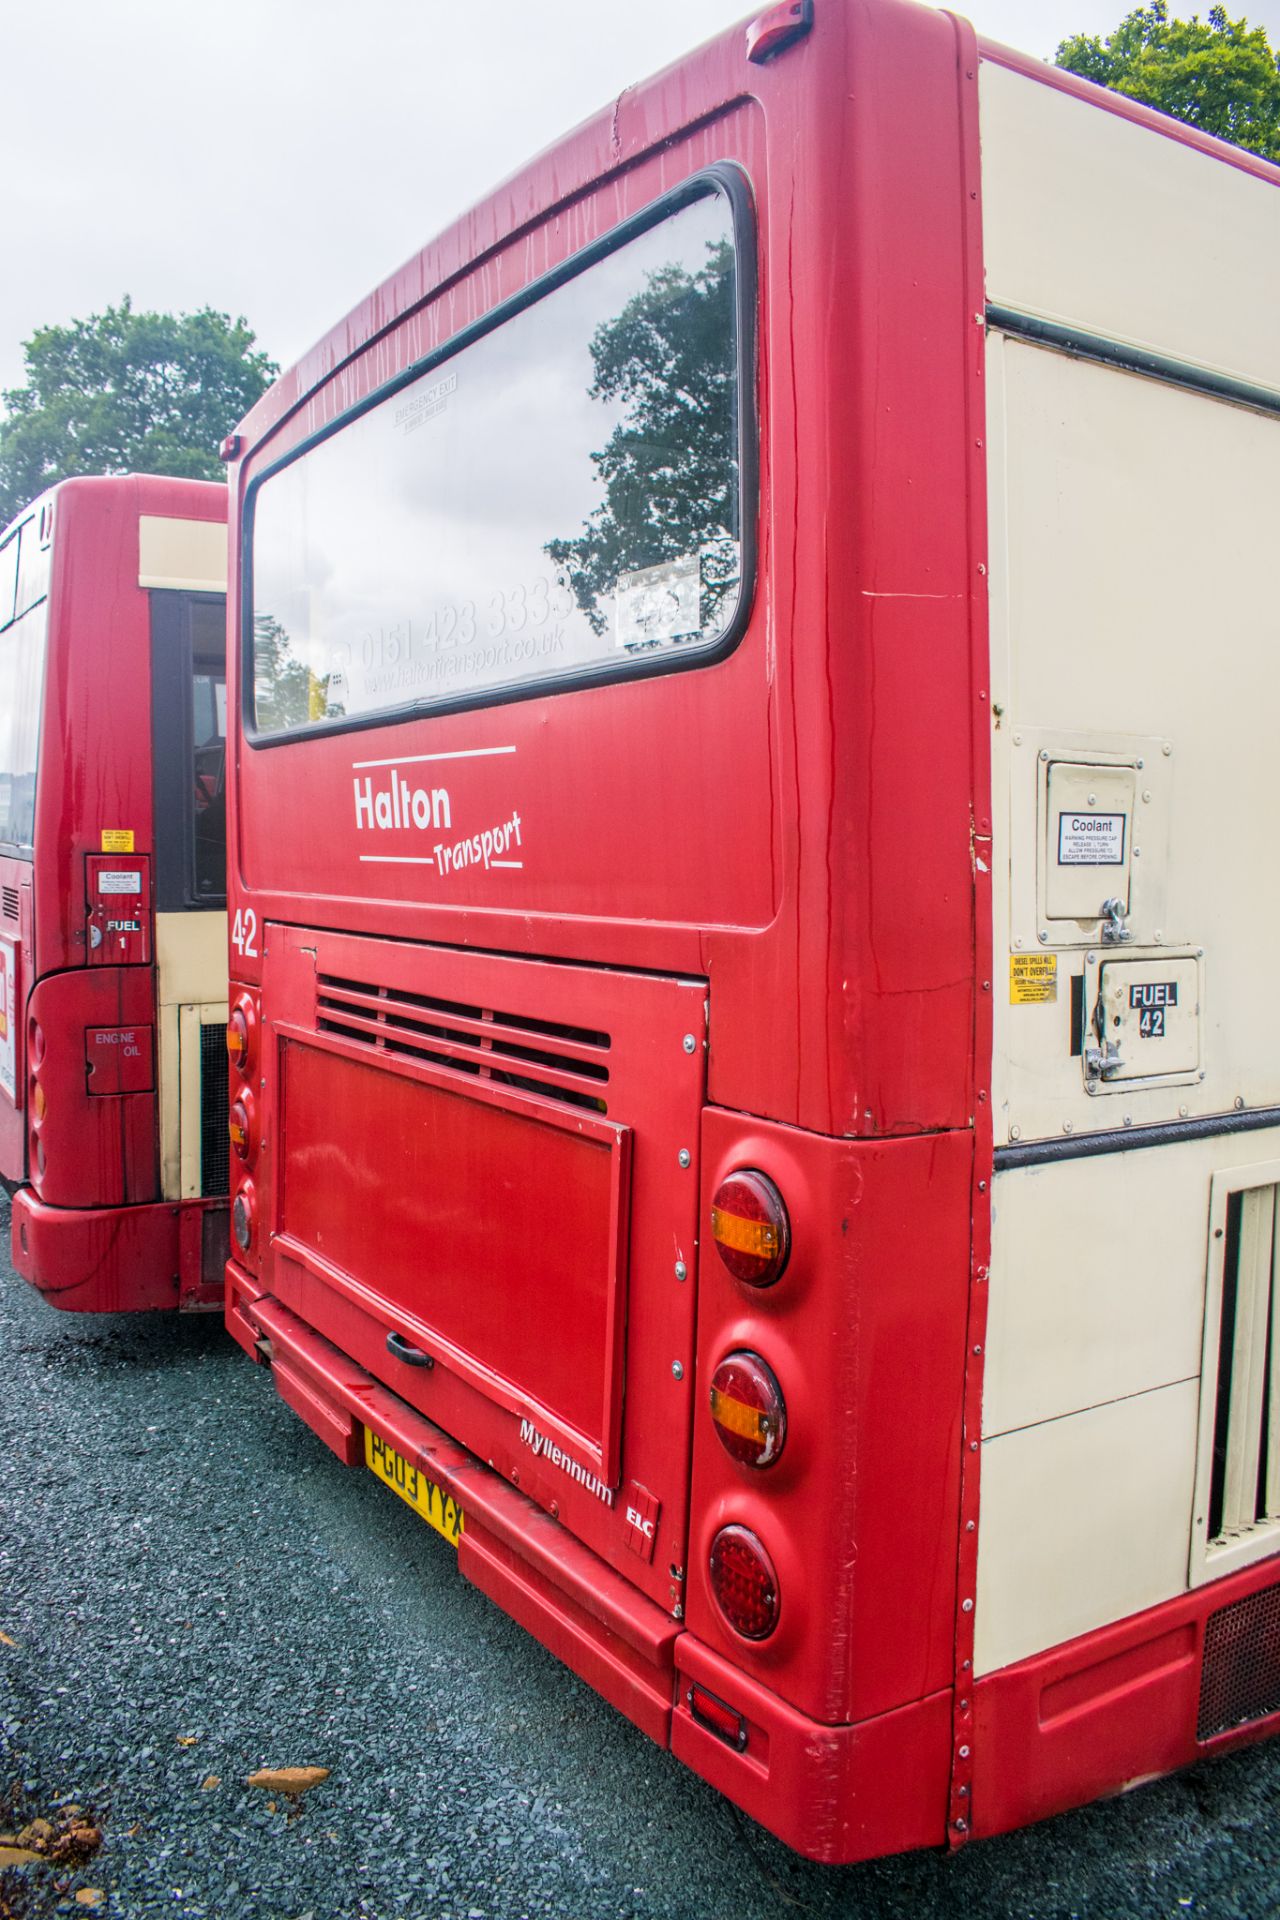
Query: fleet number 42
(244, 932)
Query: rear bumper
(121, 1259)
(1193, 1677)
(835, 1793)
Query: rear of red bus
(603, 1111)
(613, 947)
(112, 892)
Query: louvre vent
(9, 899)
(1240, 1678)
(215, 1142)
(1237, 1510)
(517, 1050)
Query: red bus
(113, 892)
(756, 1109)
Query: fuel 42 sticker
(1150, 1000)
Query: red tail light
(750, 1228)
(748, 1409)
(744, 1583)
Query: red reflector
(744, 1583)
(750, 1228)
(716, 1717)
(748, 1409)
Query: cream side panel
(1092, 221)
(1098, 1277)
(1084, 1521)
(189, 554)
(1134, 617)
(191, 949)
(191, 952)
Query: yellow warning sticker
(1033, 979)
(117, 839)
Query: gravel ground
(192, 1587)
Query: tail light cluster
(751, 1233)
(36, 1101)
(242, 1119)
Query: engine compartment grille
(215, 1142)
(1245, 1486)
(546, 1057)
(1240, 1678)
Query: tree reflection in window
(285, 690)
(669, 469)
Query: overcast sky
(277, 158)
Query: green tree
(669, 467)
(126, 392)
(1220, 75)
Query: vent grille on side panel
(1244, 1492)
(9, 902)
(547, 1057)
(1240, 1679)
(215, 1141)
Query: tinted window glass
(209, 747)
(189, 736)
(22, 647)
(557, 497)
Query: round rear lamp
(744, 1583)
(238, 1039)
(238, 1125)
(750, 1228)
(748, 1409)
(242, 1218)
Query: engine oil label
(1091, 839)
(1033, 979)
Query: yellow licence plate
(438, 1508)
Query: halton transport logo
(424, 820)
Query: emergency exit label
(1091, 839)
(1033, 979)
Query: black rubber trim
(723, 177)
(1112, 353)
(1040, 1153)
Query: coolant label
(1091, 839)
(120, 880)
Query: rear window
(558, 497)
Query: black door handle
(399, 1349)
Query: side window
(24, 607)
(189, 738)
